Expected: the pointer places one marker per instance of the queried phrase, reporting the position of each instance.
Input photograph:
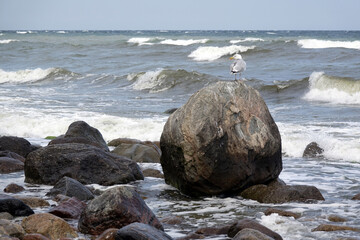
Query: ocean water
(121, 82)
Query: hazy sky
(180, 14)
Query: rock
(116, 208)
(191, 236)
(119, 141)
(356, 197)
(138, 152)
(270, 211)
(330, 228)
(17, 145)
(152, 173)
(70, 187)
(172, 220)
(85, 163)
(209, 231)
(171, 110)
(33, 202)
(35, 236)
(15, 207)
(248, 223)
(12, 155)
(9, 165)
(48, 225)
(13, 188)
(279, 192)
(222, 140)
(71, 208)
(336, 218)
(11, 229)
(313, 150)
(138, 231)
(108, 234)
(6, 216)
(81, 132)
(251, 234)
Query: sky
(179, 15)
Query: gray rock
(138, 152)
(72, 188)
(251, 234)
(9, 165)
(85, 163)
(11, 229)
(313, 150)
(15, 207)
(248, 223)
(17, 145)
(222, 140)
(140, 231)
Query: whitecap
(213, 53)
(150, 80)
(183, 42)
(140, 41)
(21, 32)
(318, 44)
(249, 39)
(5, 41)
(22, 76)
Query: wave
(32, 75)
(213, 53)
(335, 90)
(21, 32)
(5, 41)
(164, 79)
(141, 41)
(249, 39)
(183, 42)
(315, 43)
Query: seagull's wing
(238, 66)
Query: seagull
(238, 66)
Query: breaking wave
(141, 41)
(183, 42)
(5, 41)
(315, 43)
(249, 39)
(213, 53)
(336, 90)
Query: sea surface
(122, 82)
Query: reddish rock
(33, 202)
(35, 236)
(108, 234)
(331, 228)
(9, 165)
(13, 188)
(356, 197)
(71, 208)
(270, 211)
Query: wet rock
(209, 231)
(17, 145)
(172, 220)
(71, 208)
(81, 132)
(336, 218)
(251, 234)
(13, 188)
(35, 236)
(72, 188)
(278, 192)
(116, 208)
(221, 141)
(152, 173)
(9, 165)
(85, 163)
(120, 141)
(356, 197)
(10, 154)
(138, 152)
(6, 216)
(11, 229)
(33, 202)
(136, 231)
(171, 110)
(48, 225)
(248, 223)
(313, 150)
(270, 211)
(15, 207)
(108, 234)
(331, 228)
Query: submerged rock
(248, 223)
(85, 163)
(13, 188)
(283, 213)
(222, 140)
(313, 150)
(331, 228)
(116, 208)
(278, 192)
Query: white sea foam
(5, 41)
(148, 80)
(62, 32)
(315, 43)
(27, 75)
(249, 39)
(213, 53)
(21, 32)
(334, 90)
(140, 41)
(183, 42)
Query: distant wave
(5, 41)
(213, 53)
(249, 39)
(336, 90)
(140, 41)
(315, 43)
(32, 75)
(21, 32)
(183, 42)
(164, 79)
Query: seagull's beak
(231, 58)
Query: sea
(122, 82)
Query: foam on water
(183, 42)
(249, 39)
(213, 53)
(316, 43)
(334, 90)
(140, 41)
(23, 76)
(5, 41)
(148, 80)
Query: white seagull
(238, 66)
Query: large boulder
(81, 132)
(116, 208)
(14, 206)
(17, 145)
(221, 141)
(85, 163)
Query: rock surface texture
(222, 140)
